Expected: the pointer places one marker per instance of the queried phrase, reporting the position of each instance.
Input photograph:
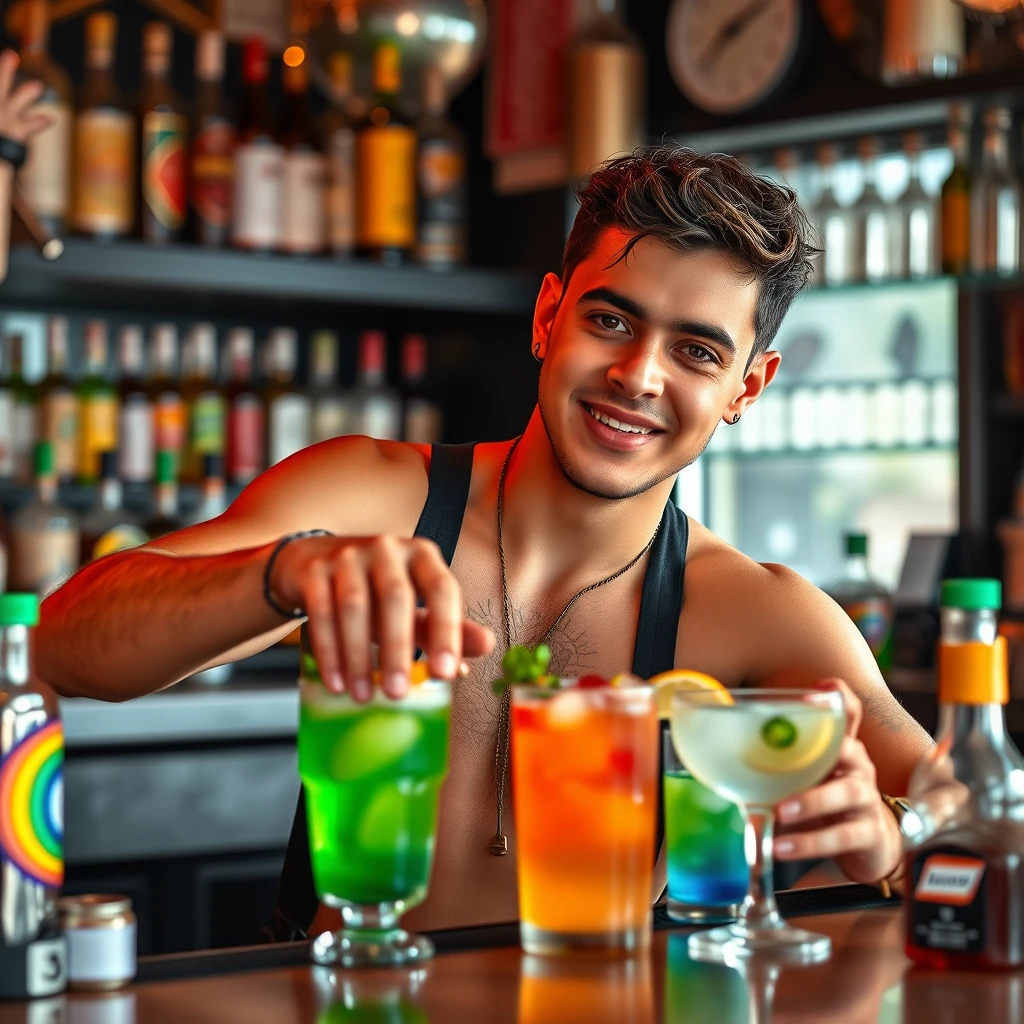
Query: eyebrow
(698, 328)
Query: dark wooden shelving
(94, 274)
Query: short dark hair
(694, 201)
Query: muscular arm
(141, 620)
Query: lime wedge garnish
(778, 733)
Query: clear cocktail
(758, 748)
(585, 766)
(372, 774)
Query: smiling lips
(619, 433)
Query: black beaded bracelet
(295, 613)
(13, 152)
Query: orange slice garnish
(684, 680)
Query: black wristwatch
(13, 152)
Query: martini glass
(757, 749)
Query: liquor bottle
(166, 517)
(836, 226)
(58, 403)
(104, 166)
(339, 144)
(213, 498)
(421, 418)
(955, 199)
(605, 90)
(32, 948)
(963, 830)
(996, 202)
(24, 410)
(386, 167)
(259, 161)
(303, 173)
(45, 177)
(135, 426)
(376, 408)
(441, 177)
(168, 407)
(44, 534)
(874, 223)
(288, 409)
(108, 526)
(204, 402)
(164, 137)
(330, 408)
(211, 182)
(866, 601)
(245, 430)
(919, 254)
(6, 420)
(97, 405)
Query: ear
(544, 313)
(759, 376)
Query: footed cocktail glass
(757, 749)
(372, 774)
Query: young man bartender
(676, 275)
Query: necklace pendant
(499, 845)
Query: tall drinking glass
(585, 767)
(707, 868)
(758, 749)
(372, 774)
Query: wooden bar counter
(481, 974)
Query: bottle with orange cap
(964, 823)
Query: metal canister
(32, 949)
(100, 930)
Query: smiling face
(643, 357)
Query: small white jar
(101, 935)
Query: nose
(638, 372)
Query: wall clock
(728, 56)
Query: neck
(553, 528)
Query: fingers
(352, 616)
(394, 605)
(319, 604)
(845, 837)
(23, 98)
(8, 66)
(848, 795)
(851, 703)
(477, 639)
(443, 598)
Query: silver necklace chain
(499, 842)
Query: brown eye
(608, 322)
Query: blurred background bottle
(97, 405)
(330, 410)
(203, 401)
(245, 428)
(288, 409)
(303, 172)
(211, 178)
(339, 144)
(58, 404)
(108, 526)
(866, 601)
(135, 425)
(421, 418)
(955, 198)
(166, 517)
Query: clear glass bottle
(288, 409)
(136, 451)
(377, 410)
(108, 526)
(875, 225)
(919, 245)
(835, 224)
(996, 202)
(865, 600)
(330, 410)
(32, 948)
(58, 403)
(964, 827)
(44, 533)
(955, 198)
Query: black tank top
(451, 467)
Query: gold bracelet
(899, 807)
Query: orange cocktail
(585, 767)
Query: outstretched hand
(17, 119)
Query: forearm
(6, 183)
(141, 620)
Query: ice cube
(375, 741)
(567, 710)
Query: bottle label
(302, 202)
(105, 168)
(119, 538)
(46, 970)
(258, 170)
(169, 422)
(164, 137)
(42, 559)
(98, 433)
(24, 438)
(387, 187)
(289, 426)
(245, 439)
(32, 806)
(59, 425)
(873, 617)
(947, 909)
(6, 433)
(135, 453)
(213, 172)
(45, 177)
(341, 194)
(207, 426)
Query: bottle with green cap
(166, 518)
(963, 830)
(33, 956)
(44, 533)
(865, 600)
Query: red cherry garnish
(591, 682)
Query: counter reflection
(370, 997)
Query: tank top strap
(451, 470)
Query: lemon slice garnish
(683, 680)
(785, 746)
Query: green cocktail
(372, 774)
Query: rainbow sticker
(32, 806)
